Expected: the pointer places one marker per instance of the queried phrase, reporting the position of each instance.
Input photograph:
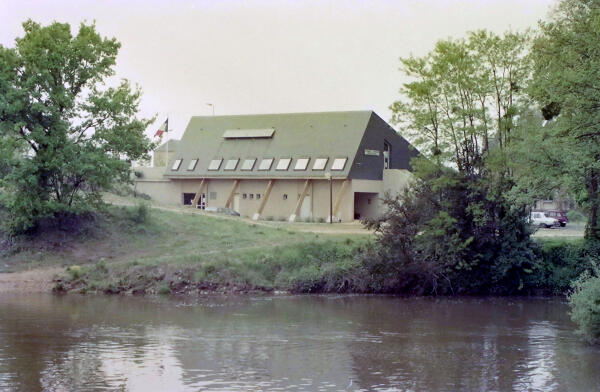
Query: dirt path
(34, 281)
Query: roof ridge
(367, 111)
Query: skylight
(249, 133)
(301, 163)
(192, 164)
(283, 163)
(231, 164)
(339, 163)
(248, 164)
(320, 163)
(215, 164)
(176, 164)
(265, 164)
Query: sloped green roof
(296, 135)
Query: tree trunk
(592, 231)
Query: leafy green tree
(79, 133)
(464, 97)
(565, 83)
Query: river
(291, 343)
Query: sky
(250, 57)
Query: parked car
(539, 218)
(560, 216)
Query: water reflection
(323, 343)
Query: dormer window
(176, 164)
(231, 164)
(192, 164)
(284, 163)
(301, 163)
(248, 164)
(215, 164)
(339, 163)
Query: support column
(300, 201)
(263, 202)
(198, 193)
(340, 197)
(233, 189)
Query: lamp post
(328, 176)
(213, 107)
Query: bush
(560, 263)
(139, 214)
(451, 233)
(576, 216)
(585, 305)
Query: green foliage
(138, 214)
(560, 263)
(585, 305)
(575, 216)
(464, 97)
(453, 233)
(74, 271)
(72, 136)
(164, 289)
(566, 71)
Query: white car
(540, 219)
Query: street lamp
(328, 176)
(213, 107)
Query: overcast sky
(249, 57)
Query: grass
(141, 250)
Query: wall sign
(372, 152)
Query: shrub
(585, 305)
(138, 214)
(74, 272)
(576, 216)
(164, 289)
(451, 233)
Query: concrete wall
(395, 181)
(277, 207)
(160, 158)
(162, 191)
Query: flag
(163, 129)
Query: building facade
(297, 166)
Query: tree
(565, 83)
(462, 95)
(77, 133)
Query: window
(215, 164)
(251, 196)
(257, 196)
(301, 163)
(339, 163)
(284, 196)
(213, 195)
(248, 164)
(266, 164)
(188, 198)
(176, 164)
(244, 196)
(192, 164)
(387, 152)
(320, 163)
(231, 164)
(283, 163)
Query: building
(299, 166)
(164, 153)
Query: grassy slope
(175, 252)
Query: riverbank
(140, 250)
